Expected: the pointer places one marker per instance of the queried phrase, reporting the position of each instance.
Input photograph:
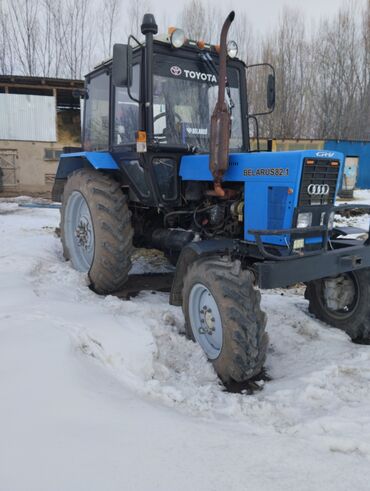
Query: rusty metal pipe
(223, 53)
(220, 120)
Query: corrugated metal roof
(27, 117)
(40, 81)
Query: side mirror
(260, 83)
(271, 91)
(122, 65)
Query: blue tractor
(166, 163)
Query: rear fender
(69, 162)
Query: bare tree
(109, 16)
(201, 21)
(323, 80)
(364, 99)
(6, 48)
(193, 19)
(242, 32)
(287, 49)
(24, 26)
(133, 16)
(342, 71)
(76, 36)
(46, 48)
(57, 34)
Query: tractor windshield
(184, 96)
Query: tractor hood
(255, 166)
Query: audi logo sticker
(318, 189)
(176, 70)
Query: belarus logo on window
(176, 70)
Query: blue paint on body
(70, 162)
(271, 183)
(271, 186)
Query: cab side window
(96, 134)
(126, 120)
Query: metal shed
(357, 149)
(38, 117)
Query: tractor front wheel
(222, 314)
(96, 229)
(343, 302)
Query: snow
(99, 393)
(361, 197)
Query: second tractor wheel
(222, 313)
(343, 302)
(96, 229)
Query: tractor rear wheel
(222, 313)
(343, 302)
(96, 229)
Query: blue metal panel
(355, 149)
(261, 172)
(277, 203)
(99, 160)
(70, 162)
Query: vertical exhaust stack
(149, 28)
(221, 120)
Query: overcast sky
(262, 13)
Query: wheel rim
(205, 320)
(340, 295)
(79, 232)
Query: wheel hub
(83, 233)
(339, 293)
(205, 320)
(79, 232)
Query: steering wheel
(162, 115)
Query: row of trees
(63, 38)
(322, 73)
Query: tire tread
(357, 326)
(113, 231)
(244, 349)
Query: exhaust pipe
(220, 120)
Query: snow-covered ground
(97, 393)
(361, 197)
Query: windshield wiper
(210, 64)
(208, 61)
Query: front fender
(190, 253)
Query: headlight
(331, 220)
(322, 218)
(232, 49)
(304, 220)
(178, 38)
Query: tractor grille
(318, 172)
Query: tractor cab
(183, 93)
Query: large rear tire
(222, 313)
(96, 229)
(343, 302)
